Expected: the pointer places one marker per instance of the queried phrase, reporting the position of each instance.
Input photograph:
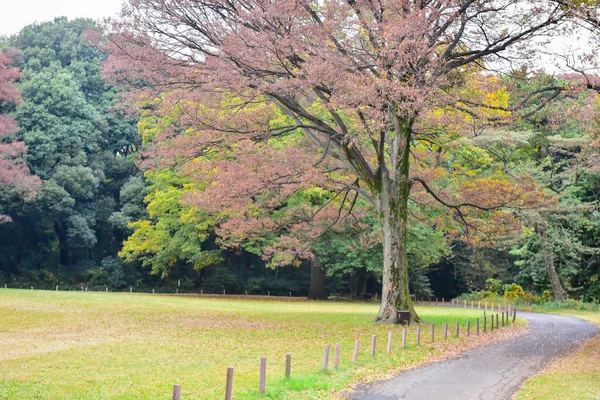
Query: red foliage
(14, 172)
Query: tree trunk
(63, 243)
(317, 282)
(557, 289)
(392, 203)
(395, 294)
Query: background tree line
(109, 210)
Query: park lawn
(96, 345)
(575, 377)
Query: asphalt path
(493, 372)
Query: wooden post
(418, 335)
(176, 290)
(130, 289)
(336, 356)
(389, 345)
(152, 291)
(263, 374)
(445, 330)
(32, 288)
(404, 338)
(373, 344)
(503, 319)
(268, 293)
(201, 291)
(477, 326)
(326, 357)
(468, 328)
(479, 304)
(223, 292)
(443, 304)
(355, 355)
(465, 304)
(432, 333)
(107, 289)
(57, 288)
(497, 317)
(290, 294)
(229, 383)
(472, 306)
(288, 365)
(514, 314)
(5, 286)
(176, 392)
(457, 328)
(492, 307)
(486, 306)
(492, 321)
(484, 323)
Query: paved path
(493, 372)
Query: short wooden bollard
(432, 333)
(176, 392)
(57, 288)
(492, 322)
(457, 328)
(336, 356)
(153, 291)
(288, 365)
(484, 323)
(373, 344)
(201, 291)
(389, 344)
(418, 335)
(445, 331)
(229, 384)
(290, 294)
(223, 291)
(497, 317)
(355, 355)
(326, 357)
(514, 315)
(130, 289)
(107, 289)
(263, 374)
(403, 338)
(503, 319)
(477, 326)
(268, 293)
(468, 328)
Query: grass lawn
(96, 345)
(576, 377)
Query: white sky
(16, 14)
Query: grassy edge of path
(574, 377)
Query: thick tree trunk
(557, 289)
(317, 282)
(395, 294)
(392, 203)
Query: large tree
(365, 81)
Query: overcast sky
(16, 14)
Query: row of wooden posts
(505, 320)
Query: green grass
(575, 377)
(95, 345)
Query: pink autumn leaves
(14, 173)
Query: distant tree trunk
(557, 289)
(63, 243)
(317, 282)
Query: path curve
(493, 372)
